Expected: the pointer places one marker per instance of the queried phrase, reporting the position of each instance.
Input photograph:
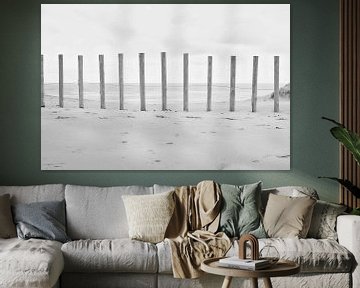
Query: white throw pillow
(149, 215)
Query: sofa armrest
(348, 230)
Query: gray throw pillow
(323, 222)
(7, 227)
(44, 220)
(240, 213)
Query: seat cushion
(117, 255)
(30, 263)
(313, 255)
(98, 212)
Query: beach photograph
(165, 87)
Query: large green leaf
(348, 138)
(348, 185)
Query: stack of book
(248, 264)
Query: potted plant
(351, 141)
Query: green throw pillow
(240, 213)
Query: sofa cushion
(291, 191)
(287, 216)
(149, 215)
(35, 193)
(117, 255)
(240, 210)
(163, 188)
(43, 220)
(313, 255)
(323, 222)
(7, 226)
(30, 263)
(98, 213)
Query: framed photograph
(165, 87)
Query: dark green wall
(314, 80)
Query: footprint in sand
(57, 165)
(282, 156)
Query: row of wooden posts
(163, 82)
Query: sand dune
(110, 139)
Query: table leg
(254, 282)
(227, 282)
(267, 283)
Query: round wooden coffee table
(281, 268)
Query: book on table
(249, 264)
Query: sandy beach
(110, 139)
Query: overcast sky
(198, 29)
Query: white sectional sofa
(101, 254)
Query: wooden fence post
(254, 83)
(209, 83)
(232, 83)
(142, 81)
(81, 81)
(186, 82)
(61, 81)
(276, 83)
(121, 81)
(163, 81)
(102, 82)
(42, 82)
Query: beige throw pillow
(288, 217)
(7, 226)
(149, 215)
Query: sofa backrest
(98, 212)
(162, 188)
(293, 191)
(35, 193)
